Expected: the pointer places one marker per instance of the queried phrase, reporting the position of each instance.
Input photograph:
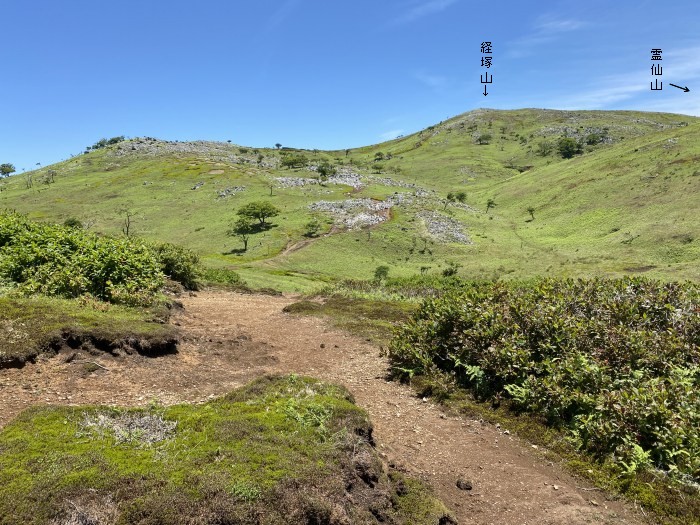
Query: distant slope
(627, 204)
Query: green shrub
(178, 263)
(221, 276)
(67, 262)
(381, 273)
(103, 143)
(294, 160)
(72, 222)
(614, 362)
(326, 169)
(568, 147)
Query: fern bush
(615, 362)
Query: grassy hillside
(624, 205)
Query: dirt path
(511, 483)
(232, 338)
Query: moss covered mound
(34, 325)
(282, 450)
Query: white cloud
(421, 9)
(547, 28)
(551, 24)
(680, 67)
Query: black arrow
(485, 93)
(683, 88)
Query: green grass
(30, 326)
(373, 319)
(280, 450)
(627, 206)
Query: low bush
(70, 262)
(221, 276)
(178, 263)
(616, 363)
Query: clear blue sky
(321, 73)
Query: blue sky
(321, 73)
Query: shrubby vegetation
(614, 362)
(103, 143)
(68, 261)
(6, 170)
(222, 276)
(178, 263)
(568, 147)
(293, 160)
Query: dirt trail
(231, 338)
(512, 484)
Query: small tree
(381, 273)
(312, 227)
(325, 170)
(128, 224)
(461, 196)
(278, 145)
(544, 148)
(483, 138)
(568, 147)
(259, 210)
(450, 199)
(243, 228)
(594, 138)
(490, 204)
(294, 161)
(531, 211)
(6, 170)
(451, 270)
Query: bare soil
(482, 473)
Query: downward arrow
(683, 88)
(485, 93)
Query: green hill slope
(626, 204)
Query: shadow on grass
(235, 251)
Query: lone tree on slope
(450, 198)
(259, 210)
(243, 228)
(531, 211)
(568, 147)
(490, 204)
(6, 169)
